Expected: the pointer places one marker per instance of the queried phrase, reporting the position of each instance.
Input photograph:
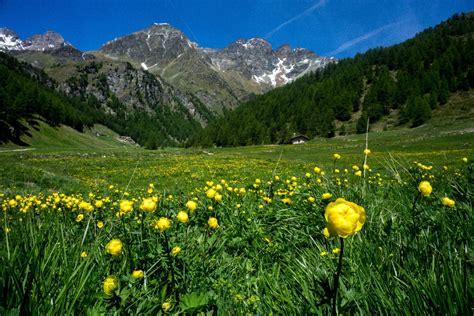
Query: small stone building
(298, 139)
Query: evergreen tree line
(413, 78)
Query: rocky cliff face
(256, 60)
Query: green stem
(6, 235)
(170, 258)
(413, 209)
(336, 278)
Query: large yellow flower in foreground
(343, 218)
(425, 188)
(110, 284)
(114, 247)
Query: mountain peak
(9, 40)
(47, 41)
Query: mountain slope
(129, 101)
(404, 82)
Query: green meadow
(95, 226)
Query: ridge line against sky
(338, 28)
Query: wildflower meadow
(356, 233)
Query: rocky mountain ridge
(50, 40)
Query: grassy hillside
(44, 137)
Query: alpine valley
(156, 76)
(159, 88)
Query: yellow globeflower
(191, 205)
(317, 169)
(367, 151)
(343, 218)
(163, 224)
(465, 160)
(138, 274)
(175, 250)
(448, 202)
(213, 223)
(166, 306)
(126, 206)
(148, 205)
(114, 247)
(358, 173)
(99, 203)
(86, 206)
(110, 284)
(425, 188)
(211, 193)
(79, 217)
(83, 254)
(218, 197)
(100, 224)
(326, 196)
(336, 250)
(12, 203)
(337, 156)
(183, 217)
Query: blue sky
(338, 28)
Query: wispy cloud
(345, 46)
(296, 17)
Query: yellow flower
(100, 224)
(12, 203)
(358, 173)
(110, 284)
(343, 218)
(148, 205)
(175, 250)
(286, 200)
(336, 250)
(163, 224)
(425, 188)
(183, 217)
(326, 196)
(465, 160)
(138, 274)
(114, 247)
(323, 253)
(218, 197)
(213, 223)
(166, 306)
(191, 205)
(79, 217)
(126, 206)
(211, 193)
(83, 254)
(367, 151)
(99, 203)
(337, 156)
(317, 169)
(311, 199)
(448, 202)
(86, 206)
